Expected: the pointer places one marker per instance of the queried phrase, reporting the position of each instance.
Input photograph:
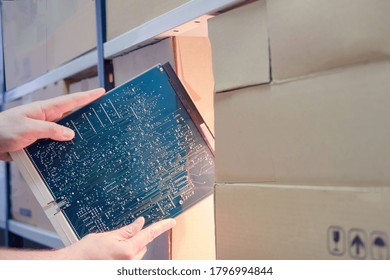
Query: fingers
(56, 107)
(42, 129)
(147, 235)
(129, 231)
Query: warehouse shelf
(142, 35)
(147, 32)
(41, 236)
(71, 68)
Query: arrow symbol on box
(358, 243)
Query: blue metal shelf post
(105, 67)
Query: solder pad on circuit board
(138, 151)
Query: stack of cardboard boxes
(301, 110)
(40, 35)
(124, 15)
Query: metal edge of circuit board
(190, 107)
(44, 197)
(43, 194)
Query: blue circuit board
(138, 151)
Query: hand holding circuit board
(21, 126)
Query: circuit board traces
(137, 152)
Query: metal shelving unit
(140, 36)
(35, 234)
(71, 68)
(147, 32)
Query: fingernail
(139, 220)
(172, 222)
(68, 133)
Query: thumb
(43, 129)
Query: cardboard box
(323, 130)
(24, 33)
(71, 30)
(239, 41)
(124, 15)
(132, 64)
(25, 207)
(50, 91)
(313, 36)
(84, 85)
(40, 35)
(255, 221)
(193, 237)
(194, 69)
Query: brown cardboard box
(84, 85)
(40, 35)
(312, 36)
(239, 40)
(255, 221)
(71, 30)
(24, 33)
(132, 64)
(50, 91)
(193, 236)
(323, 130)
(25, 207)
(194, 69)
(124, 15)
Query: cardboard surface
(325, 130)
(194, 69)
(40, 35)
(84, 85)
(24, 31)
(313, 36)
(50, 91)
(25, 207)
(193, 236)
(132, 64)
(124, 15)
(239, 41)
(295, 222)
(71, 30)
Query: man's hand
(126, 243)
(23, 125)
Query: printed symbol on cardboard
(379, 246)
(357, 244)
(336, 241)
